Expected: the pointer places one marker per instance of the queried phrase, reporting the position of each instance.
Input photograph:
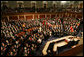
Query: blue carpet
(39, 52)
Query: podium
(60, 44)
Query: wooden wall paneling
(21, 17)
(18, 17)
(79, 16)
(36, 16)
(29, 17)
(52, 16)
(32, 16)
(66, 14)
(60, 14)
(48, 16)
(4, 18)
(15, 18)
(45, 16)
(7, 18)
(74, 15)
(56, 15)
(42, 16)
(71, 15)
(24, 17)
(10, 17)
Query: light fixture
(63, 2)
(4, 1)
(44, 2)
(54, 2)
(33, 1)
(20, 2)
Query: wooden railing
(26, 16)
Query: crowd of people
(11, 42)
(71, 25)
(14, 45)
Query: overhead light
(54, 2)
(33, 1)
(44, 2)
(63, 2)
(4, 1)
(20, 2)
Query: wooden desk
(59, 45)
(44, 51)
(71, 52)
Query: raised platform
(70, 52)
